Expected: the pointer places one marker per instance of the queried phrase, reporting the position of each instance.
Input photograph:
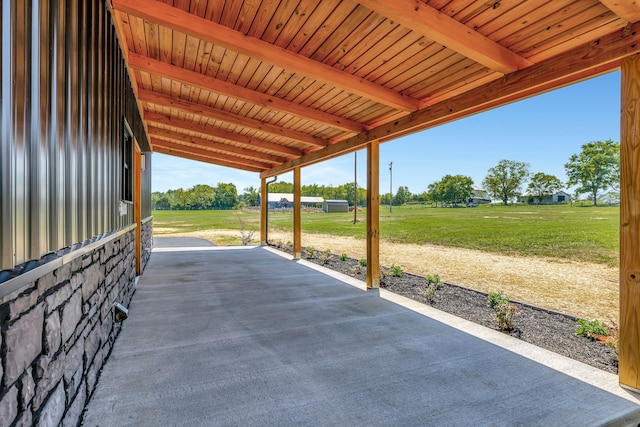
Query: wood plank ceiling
(267, 85)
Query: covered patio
(246, 336)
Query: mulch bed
(545, 328)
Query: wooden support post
(297, 233)
(264, 208)
(373, 215)
(137, 204)
(629, 334)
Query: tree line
(594, 169)
(201, 196)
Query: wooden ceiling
(268, 85)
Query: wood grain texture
(297, 216)
(373, 215)
(629, 335)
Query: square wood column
(629, 334)
(264, 206)
(373, 215)
(297, 232)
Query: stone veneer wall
(147, 241)
(57, 332)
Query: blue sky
(542, 131)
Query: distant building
(335, 206)
(553, 199)
(285, 200)
(480, 196)
(609, 198)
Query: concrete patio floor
(247, 337)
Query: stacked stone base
(57, 331)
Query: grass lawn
(576, 233)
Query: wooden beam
(204, 29)
(297, 220)
(162, 100)
(264, 209)
(137, 200)
(267, 159)
(247, 141)
(206, 159)
(625, 9)
(441, 28)
(589, 60)
(192, 78)
(206, 154)
(629, 333)
(373, 215)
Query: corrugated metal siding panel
(65, 95)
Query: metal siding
(65, 91)
(6, 136)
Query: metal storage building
(335, 206)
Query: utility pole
(390, 185)
(355, 187)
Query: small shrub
(325, 256)
(505, 311)
(430, 292)
(434, 279)
(343, 257)
(309, 252)
(591, 328)
(496, 298)
(395, 270)
(363, 262)
(246, 236)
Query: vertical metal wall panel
(21, 59)
(6, 136)
(65, 95)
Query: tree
(202, 196)
(402, 196)
(433, 192)
(595, 168)
(250, 196)
(504, 180)
(455, 189)
(543, 185)
(226, 196)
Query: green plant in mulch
(325, 256)
(505, 311)
(362, 262)
(395, 270)
(343, 257)
(606, 334)
(433, 284)
(309, 252)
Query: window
(127, 163)
(560, 198)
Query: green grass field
(576, 233)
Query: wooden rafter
(178, 74)
(187, 154)
(625, 9)
(185, 22)
(588, 60)
(246, 141)
(213, 145)
(448, 32)
(162, 100)
(204, 153)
